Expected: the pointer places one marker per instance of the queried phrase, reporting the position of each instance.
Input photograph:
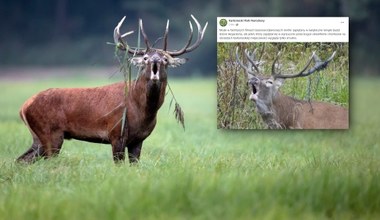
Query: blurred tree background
(68, 32)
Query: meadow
(200, 173)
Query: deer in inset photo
(95, 114)
(280, 111)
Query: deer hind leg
(34, 152)
(53, 144)
(42, 149)
(44, 145)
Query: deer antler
(319, 65)
(250, 59)
(144, 35)
(187, 48)
(118, 38)
(166, 35)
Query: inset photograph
(283, 85)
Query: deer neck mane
(147, 96)
(270, 119)
(276, 114)
(155, 95)
(285, 112)
(268, 114)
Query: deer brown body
(95, 114)
(92, 114)
(279, 111)
(290, 113)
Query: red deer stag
(94, 114)
(279, 111)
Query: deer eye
(145, 58)
(269, 83)
(165, 59)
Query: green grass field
(200, 173)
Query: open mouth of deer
(254, 93)
(155, 72)
(254, 90)
(254, 83)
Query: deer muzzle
(155, 71)
(254, 89)
(253, 96)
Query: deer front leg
(118, 151)
(134, 151)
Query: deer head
(264, 89)
(153, 61)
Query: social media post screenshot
(283, 73)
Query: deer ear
(250, 76)
(137, 61)
(174, 62)
(278, 82)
